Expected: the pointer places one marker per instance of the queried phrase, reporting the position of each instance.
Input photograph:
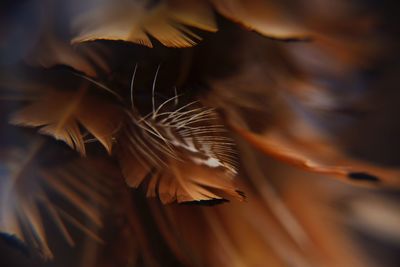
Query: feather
(60, 114)
(26, 203)
(321, 158)
(270, 18)
(52, 51)
(183, 154)
(135, 20)
(310, 200)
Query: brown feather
(269, 18)
(60, 115)
(133, 21)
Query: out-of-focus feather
(26, 201)
(269, 18)
(51, 51)
(317, 156)
(377, 215)
(135, 20)
(162, 20)
(60, 115)
(332, 246)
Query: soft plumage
(154, 113)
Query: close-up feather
(199, 133)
